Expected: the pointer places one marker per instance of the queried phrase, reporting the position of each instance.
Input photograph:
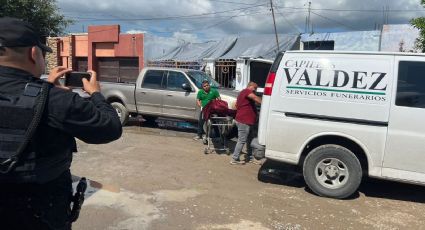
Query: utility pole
(274, 23)
(308, 18)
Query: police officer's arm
(90, 120)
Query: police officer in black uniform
(36, 185)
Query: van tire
(332, 171)
(121, 111)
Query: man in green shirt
(205, 96)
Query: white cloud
(240, 16)
(135, 32)
(186, 37)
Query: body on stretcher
(217, 128)
(220, 119)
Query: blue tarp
(349, 41)
(260, 46)
(256, 46)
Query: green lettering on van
(335, 90)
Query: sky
(203, 20)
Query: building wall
(52, 59)
(99, 42)
(81, 45)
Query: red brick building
(115, 57)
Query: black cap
(17, 33)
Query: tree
(419, 23)
(42, 14)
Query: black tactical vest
(19, 118)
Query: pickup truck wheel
(121, 111)
(332, 171)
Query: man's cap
(17, 33)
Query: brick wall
(52, 58)
(71, 49)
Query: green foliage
(42, 14)
(419, 23)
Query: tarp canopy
(349, 41)
(397, 38)
(353, 41)
(198, 51)
(256, 46)
(260, 46)
(154, 46)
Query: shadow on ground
(393, 190)
(289, 175)
(280, 173)
(152, 123)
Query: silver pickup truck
(162, 92)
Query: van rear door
(404, 153)
(265, 104)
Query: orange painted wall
(102, 41)
(64, 46)
(104, 49)
(129, 45)
(81, 45)
(108, 33)
(65, 62)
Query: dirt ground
(160, 179)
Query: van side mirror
(186, 87)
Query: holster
(78, 199)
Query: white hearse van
(344, 115)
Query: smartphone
(75, 79)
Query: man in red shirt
(246, 117)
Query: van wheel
(332, 171)
(121, 111)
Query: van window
(258, 72)
(153, 79)
(411, 84)
(175, 81)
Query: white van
(344, 115)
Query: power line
(129, 20)
(332, 20)
(351, 10)
(215, 24)
(240, 3)
(174, 17)
(286, 20)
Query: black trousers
(36, 206)
(201, 122)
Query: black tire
(121, 111)
(332, 171)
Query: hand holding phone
(75, 79)
(91, 86)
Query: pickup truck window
(198, 76)
(153, 79)
(175, 81)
